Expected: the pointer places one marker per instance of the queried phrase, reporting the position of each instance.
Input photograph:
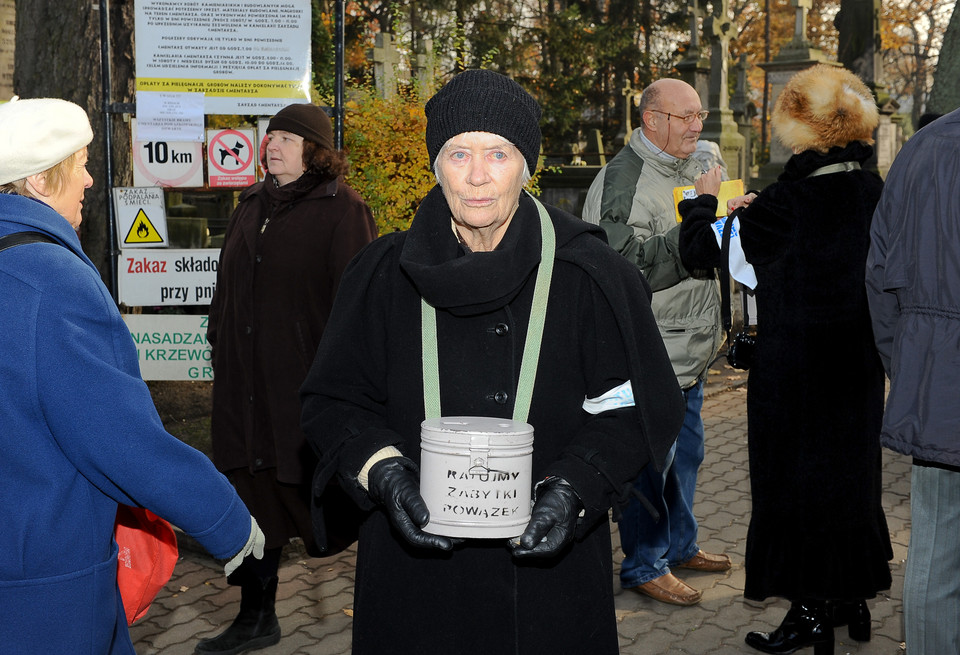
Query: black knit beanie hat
(306, 120)
(484, 101)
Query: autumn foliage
(384, 138)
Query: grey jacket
(632, 200)
(913, 285)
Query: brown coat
(274, 293)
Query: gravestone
(386, 59)
(631, 97)
(694, 69)
(720, 126)
(796, 56)
(859, 49)
(425, 69)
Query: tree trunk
(58, 55)
(945, 94)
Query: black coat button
(501, 397)
(501, 329)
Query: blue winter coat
(913, 284)
(79, 434)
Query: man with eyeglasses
(632, 200)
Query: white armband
(740, 270)
(617, 397)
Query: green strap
(531, 347)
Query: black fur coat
(815, 396)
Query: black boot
(806, 624)
(854, 614)
(256, 625)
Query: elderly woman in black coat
(604, 403)
(817, 535)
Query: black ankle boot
(806, 624)
(854, 614)
(256, 625)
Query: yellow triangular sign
(142, 230)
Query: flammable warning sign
(141, 217)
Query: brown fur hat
(822, 107)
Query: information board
(245, 56)
(171, 347)
(141, 217)
(153, 278)
(166, 163)
(231, 156)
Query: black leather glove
(552, 521)
(394, 483)
(698, 245)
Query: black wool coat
(365, 391)
(815, 395)
(273, 297)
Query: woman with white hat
(78, 429)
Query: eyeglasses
(702, 115)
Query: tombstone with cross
(720, 126)
(386, 59)
(630, 97)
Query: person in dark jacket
(817, 534)
(78, 429)
(605, 402)
(913, 284)
(284, 250)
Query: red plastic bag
(148, 554)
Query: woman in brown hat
(285, 248)
(817, 535)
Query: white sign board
(171, 347)
(141, 217)
(151, 278)
(231, 158)
(245, 56)
(166, 163)
(170, 116)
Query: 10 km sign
(167, 163)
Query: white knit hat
(37, 134)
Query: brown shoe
(668, 588)
(706, 562)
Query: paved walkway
(315, 597)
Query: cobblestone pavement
(315, 596)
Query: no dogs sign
(231, 157)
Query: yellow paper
(728, 190)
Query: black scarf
(463, 282)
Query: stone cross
(720, 28)
(696, 13)
(425, 68)
(630, 96)
(385, 58)
(800, 23)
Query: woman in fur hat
(817, 535)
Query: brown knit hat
(484, 101)
(306, 120)
(822, 107)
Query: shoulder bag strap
(20, 238)
(725, 311)
(531, 346)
